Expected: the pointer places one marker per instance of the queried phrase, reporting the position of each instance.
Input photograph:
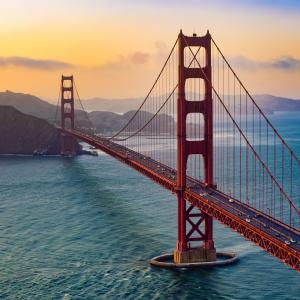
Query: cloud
(134, 59)
(139, 58)
(286, 63)
(40, 64)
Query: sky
(115, 48)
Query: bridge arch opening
(194, 127)
(195, 168)
(200, 56)
(195, 89)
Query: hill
(24, 134)
(28, 104)
(114, 105)
(37, 107)
(268, 103)
(32, 105)
(105, 114)
(108, 122)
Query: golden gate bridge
(200, 134)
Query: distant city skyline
(115, 48)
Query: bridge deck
(255, 226)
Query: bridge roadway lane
(261, 221)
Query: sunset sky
(115, 48)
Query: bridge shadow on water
(114, 204)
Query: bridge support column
(67, 145)
(195, 235)
(195, 228)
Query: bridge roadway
(273, 236)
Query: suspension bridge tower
(195, 228)
(67, 116)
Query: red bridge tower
(194, 226)
(67, 115)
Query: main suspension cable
(87, 115)
(159, 109)
(255, 104)
(265, 167)
(149, 121)
(149, 93)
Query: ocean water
(86, 227)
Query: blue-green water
(85, 228)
